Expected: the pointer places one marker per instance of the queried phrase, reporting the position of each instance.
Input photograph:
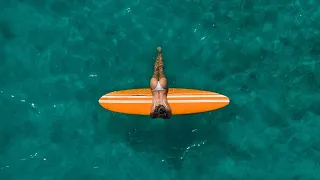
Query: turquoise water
(57, 58)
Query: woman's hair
(161, 112)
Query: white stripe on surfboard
(169, 101)
(183, 96)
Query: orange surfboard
(181, 101)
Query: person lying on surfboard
(160, 107)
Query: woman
(158, 84)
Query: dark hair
(161, 112)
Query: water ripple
(33, 105)
(24, 159)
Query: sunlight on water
(57, 58)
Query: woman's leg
(156, 70)
(155, 76)
(162, 77)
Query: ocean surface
(58, 57)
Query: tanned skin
(159, 97)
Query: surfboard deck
(181, 101)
